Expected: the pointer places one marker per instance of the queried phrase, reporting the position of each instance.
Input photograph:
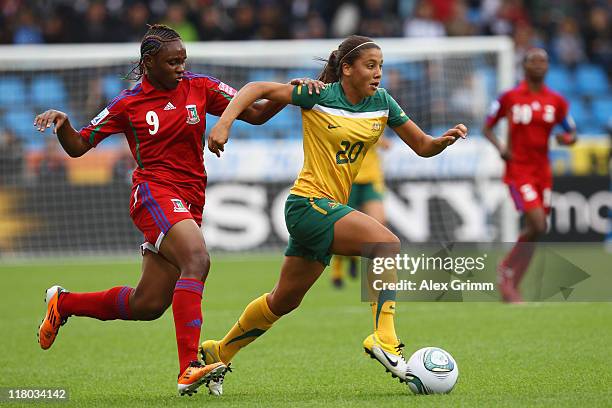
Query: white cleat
(390, 356)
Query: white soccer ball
(432, 370)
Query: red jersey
(531, 117)
(165, 130)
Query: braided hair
(347, 52)
(151, 43)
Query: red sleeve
(562, 109)
(218, 96)
(109, 121)
(498, 109)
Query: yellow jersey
(337, 135)
(371, 169)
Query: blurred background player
(367, 195)
(162, 119)
(532, 110)
(340, 125)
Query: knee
(536, 230)
(196, 265)
(388, 245)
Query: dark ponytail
(347, 52)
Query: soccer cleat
(209, 352)
(197, 374)
(338, 283)
(50, 325)
(390, 356)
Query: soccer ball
(432, 370)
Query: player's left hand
(217, 138)
(312, 84)
(565, 139)
(451, 135)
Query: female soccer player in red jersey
(532, 110)
(340, 124)
(163, 119)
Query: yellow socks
(337, 267)
(254, 321)
(383, 314)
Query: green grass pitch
(546, 354)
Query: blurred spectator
(443, 10)
(598, 36)
(26, 30)
(271, 24)
(211, 24)
(52, 167)
(567, 44)
(137, 17)
(378, 21)
(458, 23)
(508, 14)
(314, 28)
(176, 17)
(54, 30)
(244, 23)
(345, 21)
(423, 23)
(98, 26)
(11, 159)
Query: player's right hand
(505, 155)
(44, 120)
(217, 138)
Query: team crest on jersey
(178, 205)
(376, 126)
(192, 114)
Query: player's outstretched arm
(68, 137)
(425, 145)
(250, 93)
(260, 112)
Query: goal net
(53, 205)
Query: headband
(341, 59)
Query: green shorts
(310, 222)
(362, 193)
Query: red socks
(518, 258)
(187, 311)
(107, 305)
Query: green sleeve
(301, 98)
(397, 117)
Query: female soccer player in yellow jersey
(340, 125)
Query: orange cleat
(198, 374)
(47, 331)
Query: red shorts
(530, 193)
(155, 209)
